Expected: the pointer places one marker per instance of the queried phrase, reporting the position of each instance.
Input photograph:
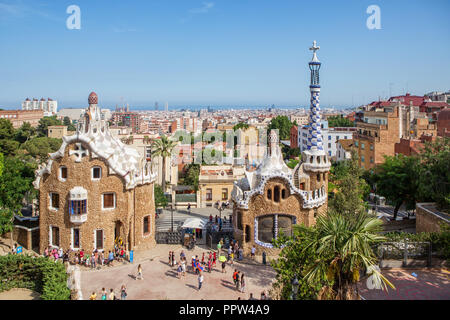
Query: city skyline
(220, 53)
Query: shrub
(45, 276)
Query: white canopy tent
(194, 223)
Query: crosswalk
(164, 220)
(388, 211)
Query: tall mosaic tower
(314, 155)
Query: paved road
(164, 220)
(161, 282)
(388, 211)
(428, 284)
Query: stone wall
(429, 219)
(260, 205)
(80, 174)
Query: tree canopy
(339, 121)
(45, 122)
(283, 124)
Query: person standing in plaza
(253, 252)
(189, 208)
(242, 283)
(183, 267)
(234, 276)
(200, 280)
(104, 294)
(179, 270)
(173, 259)
(238, 282)
(93, 296)
(112, 295)
(223, 267)
(123, 292)
(170, 258)
(139, 275)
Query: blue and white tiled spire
(315, 142)
(314, 158)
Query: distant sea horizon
(197, 108)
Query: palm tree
(344, 249)
(163, 147)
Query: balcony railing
(78, 218)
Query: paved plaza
(160, 280)
(428, 284)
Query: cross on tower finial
(314, 48)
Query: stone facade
(292, 205)
(104, 177)
(377, 137)
(429, 219)
(19, 117)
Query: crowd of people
(93, 259)
(208, 261)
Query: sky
(220, 52)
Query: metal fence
(189, 197)
(168, 237)
(408, 252)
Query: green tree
(67, 122)
(25, 132)
(343, 248)
(192, 173)
(2, 165)
(283, 124)
(397, 180)
(241, 125)
(40, 147)
(160, 198)
(163, 147)
(292, 163)
(15, 182)
(45, 122)
(291, 263)
(339, 121)
(434, 173)
(351, 187)
(8, 146)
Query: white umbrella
(194, 223)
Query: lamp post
(295, 285)
(171, 217)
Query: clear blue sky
(220, 52)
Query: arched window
(318, 177)
(276, 194)
(283, 194)
(269, 194)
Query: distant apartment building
(301, 119)
(49, 106)
(189, 124)
(19, 117)
(439, 96)
(329, 135)
(128, 119)
(443, 123)
(294, 137)
(409, 147)
(377, 135)
(344, 149)
(216, 183)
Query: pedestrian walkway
(164, 220)
(161, 282)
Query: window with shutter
(108, 200)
